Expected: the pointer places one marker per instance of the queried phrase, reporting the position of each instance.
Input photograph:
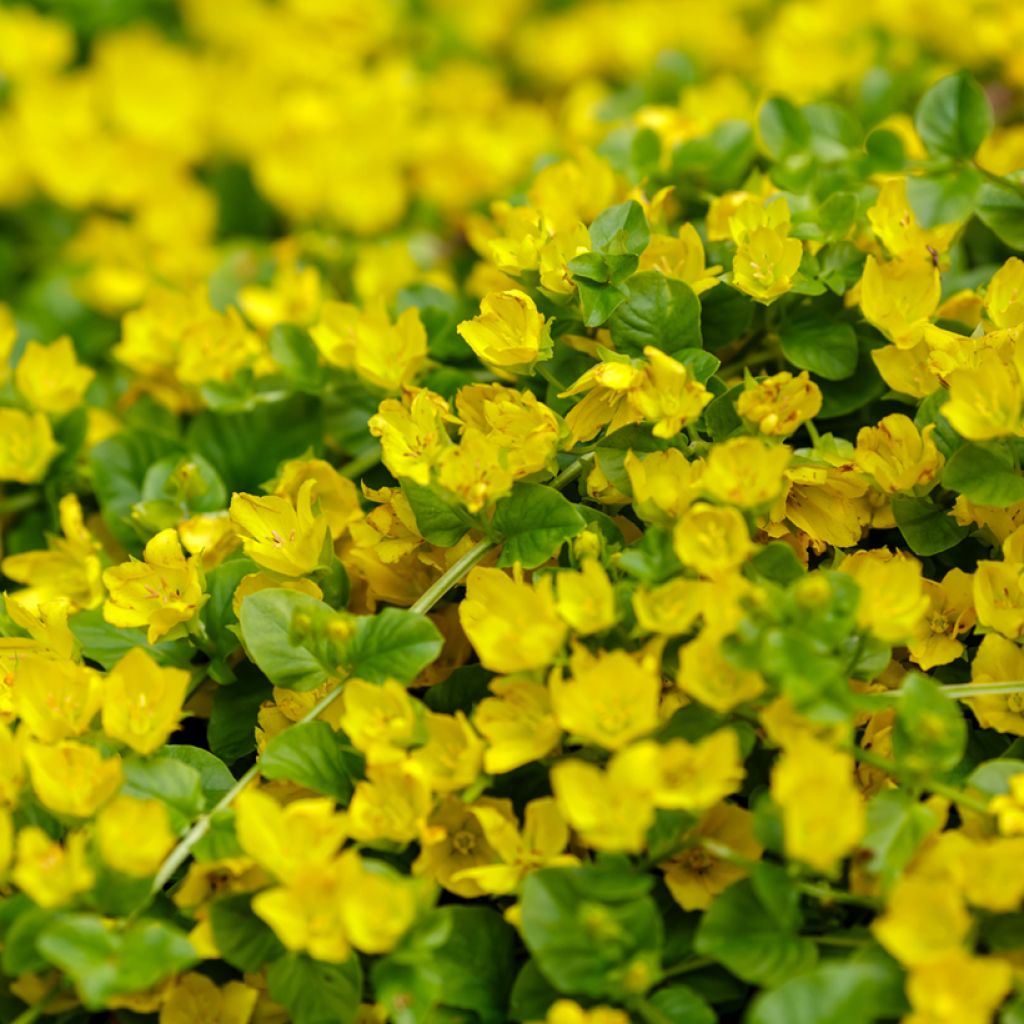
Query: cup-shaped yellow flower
(194, 997)
(142, 701)
(1004, 297)
(508, 333)
(71, 778)
(998, 661)
(49, 873)
(279, 535)
(898, 297)
(585, 599)
(412, 432)
(712, 539)
(50, 378)
(377, 906)
(779, 404)
(893, 601)
(161, 592)
(56, 699)
(695, 776)
(897, 455)
(513, 626)
(27, 446)
(669, 396)
(134, 836)
(452, 756)
(517, 723)
(745, 471)
(664, 484)
(985, 400)
(380, 719)
(765, 263)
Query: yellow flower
(210, 878)
(695, 776)
(288, 840)
(517, 723)
(51, 874)
(134, 835)
(508, 333)
(71, 778)
(278, 535)
(565, 1011)
(12, 768)
(958, 989)
(778, 405)
(377, 907)
(765, 263)
(70, 568)
(50, 378)
(513, 626)
(823, 812)
(380, 719)
(27, 446)
(664, 484)
(745, 471)
(142, 701)
(1004, 297)
(452, 756)
(706, 675)
(681, 257)
(454, 841)
(895, 225)
(412, 433)
(163, 591)
(6, 841)
(668, 395)
(46, 623)
(214, 346)
(390, 805)
(611, 700)
(194, 997)
(542, 843)
(925, 921)
(699, 873)
(985, 400)
(712, 539)
(56, 699)
(950, 613)
(671, 608)
(893, 602)
(998, 660)
(293, 296)
(897, 455)
(1009, 807)
(999, 597)
(337, 496)
(585, 599)
(611, 809)
(898, 298)
(992, 877)
(475, 470)
(606, 389)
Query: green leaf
(231, 730)
(312, 754)
(836, 215)
(984, 473)
(106, 644)
(854, 392)
(295, 353)
(103, 962)
(439, 521)
(242, 938)
(217, 613)
(926, 528)
(534, 521)
(847, 993)
(993, 777)
(599, 301)
(177, 785)
(266, 624)
(897, 825)
(782, 128)
(954, 117)
(825, 348)
(215, 779)
(740, 933)
(393, 644)
(1002, 210)
(658, 311)
(929, 734)
(317, 993)
(20, 954)
(621, 230)
(944, 198)
(679, 1004)
(590, 927)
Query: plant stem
(355, 468)
(829, 894)
(37, 1009)
(544, 372)
(452, 576)
(696, 964)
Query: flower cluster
(512, 511)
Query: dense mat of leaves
(512, 511)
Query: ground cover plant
(511, 512)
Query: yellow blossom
(673, 607)
(706, 675)
(898, 297)
(585, 599)
(999, 597)
(56, 699)
(1004, 297)
(475, 470)
(712, 539)
(379, 718)
(668, 395)
(390, 805)
(695, 776)
(412, 433)
(664, 484)
(986, 398)
(71, 778)
(681, 257)
(950, 614)
(337, 496)
(134, 835)
(142, 701)
(958, 989)
(897, 455)
(611, 699)
(51, 874)
(745, 471)
(779, 404)
(508, 333)
(893, 602)
(611, 809)
(893, 221)
(281, 536)
(194, 997)
(161, 592)
(50, 378)
(565, 1011)
(998, 660)
(1009, 807)
(517, 723)
(27, 446)
(377, 906)
(606, 389)
(823, 812)
(925, 921)
(699, 873)
(452, 755)
(513, 626)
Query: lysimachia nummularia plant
(511, 512)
